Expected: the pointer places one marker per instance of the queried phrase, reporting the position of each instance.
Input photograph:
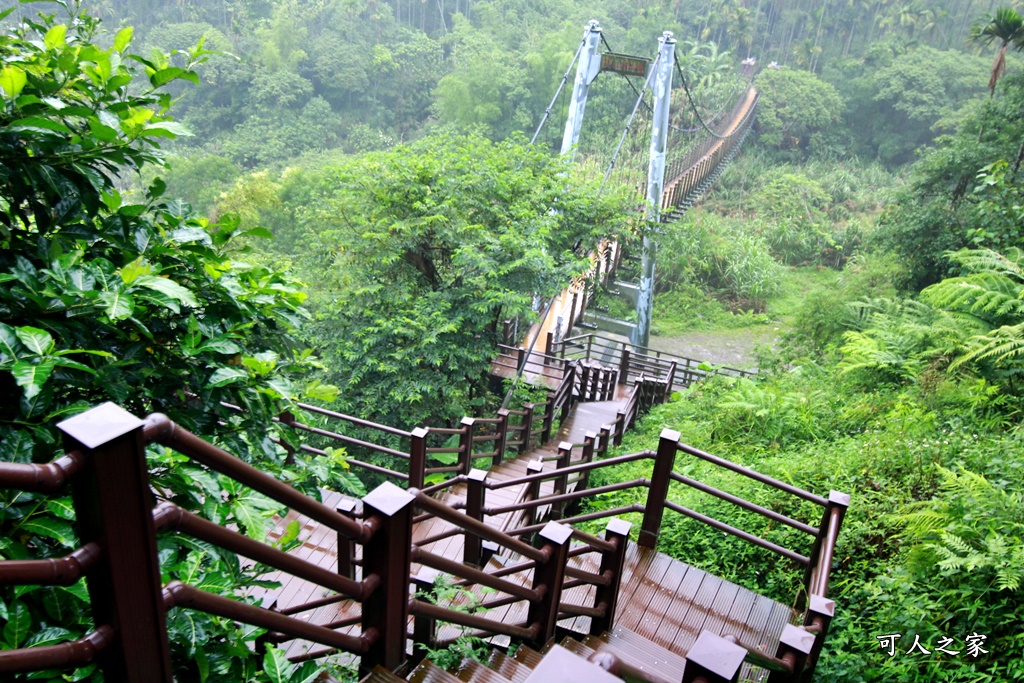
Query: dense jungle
(338, 202)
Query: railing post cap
(558, 534)
(346, 506)
(670, 434)
(535, 466)
(476, 474)
(99, 425)
(797, 638)
(716, 654)
(468, 421)
(565, 446)
(839, 498)
(503, 412)
(388, 499)
(617, 525)
(819, 604)
(607, 428)
(420, 432)
(590, 435)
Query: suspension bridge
(479, 529)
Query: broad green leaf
(62, 508)
(16, 630)
(56, 37)
(291, 533)
(118, 305)
(202, 663)
(321, 392)
(134, 270)
(3, 611)
(227, 375)
(35, 340)
(12, 80)
(220, 346)
(49, 636)
(6, 277)
(57, 529)
(77, 590)
(10, 347)
(276, 665)
(257, 232)
(123, 37)
(170, 288)
(165, 76)
(261, 363)
(37, 124)
(307, 673)
(32, 376)
(166, 129)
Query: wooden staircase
(619, 654)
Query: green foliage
(793, 105)
(989, 298)
(718, 254)
(427, 247)
(139, 302)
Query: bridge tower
(655, 184)
(586, 72)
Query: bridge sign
(624, 64)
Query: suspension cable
(629, 123)
(693, 106)
(565, 78)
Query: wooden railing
(634, 360)
(119, 517)
(410, 458)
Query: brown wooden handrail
(58, 571)
(63, 655)
(49, 478)
(159, 428)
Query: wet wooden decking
(662, 600)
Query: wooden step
(639, 653)
(472, 671)
(428, 672)
(576, 647)
(528, 657)
(381, 675)
(517, 672)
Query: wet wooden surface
(662, 600)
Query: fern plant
(991, 297)
(972, 532)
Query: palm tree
(1006, 26)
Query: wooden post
(572, 321)
(562, 482)
(418, 457)
(466, 445)
(655, 507)
(616, 533)
(424, 628)
(346, 567)
(588, 456)
(521, 360)
(502, 430)
(527, 428)
(386, 555)
(475, 492)
(533, 492)
(671, 380)
(549, 418)
(584, 380)
(620, 427)
(549, 347)
(820, 609)
(570, 377)
(114, 507)
(606, 438)
(548, 577)
(713, 659)
(506, 333)
(795, 644)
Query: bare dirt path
(734, 348)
